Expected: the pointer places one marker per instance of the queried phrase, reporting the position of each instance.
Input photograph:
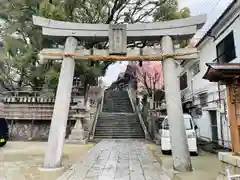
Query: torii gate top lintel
(183, 28)
(118, 35)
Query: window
(187, 122)
(203, 99)
(183, 81)
(195, 68)
(226, 49)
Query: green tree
(20, 65)
(169, 10)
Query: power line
(202, 11)
(210, 12)
(215, 6)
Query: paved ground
(108, 160)
(206, 166)
(117, 160)
(20, 160)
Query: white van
(190, 131)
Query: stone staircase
(117, 101)
(117, 119)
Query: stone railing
(99, 109)
(230, 162)
(132, 97)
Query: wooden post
(233, 108)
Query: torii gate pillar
(180, 152)
(53, 155)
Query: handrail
(137, 111)
(102, 101)
(99, 109)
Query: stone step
(122, 126)
(118, 137)
(112, 106)
(117, 104)
(117, 98)
(116, 110)
(116, 114)
(130, 122)
(118, 117)
(135, 125)
(119, 132)
(114, 93)
(109, 115)
(117, 125)
(119, 129)
(125, 107)
(117, 120)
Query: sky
(213, 9)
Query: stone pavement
(117, 160)
(21, 160)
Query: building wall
(197, 85)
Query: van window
(187, 122)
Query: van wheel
(3, 144)
(195, 153)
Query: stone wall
(228, 161)
(32, 130)
(30, 117)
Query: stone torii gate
(118, 36)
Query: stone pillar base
(51, 173)
(75, 141)
(78, 137)
(230, 161)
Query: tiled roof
(219, 72)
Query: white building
(203, 99)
